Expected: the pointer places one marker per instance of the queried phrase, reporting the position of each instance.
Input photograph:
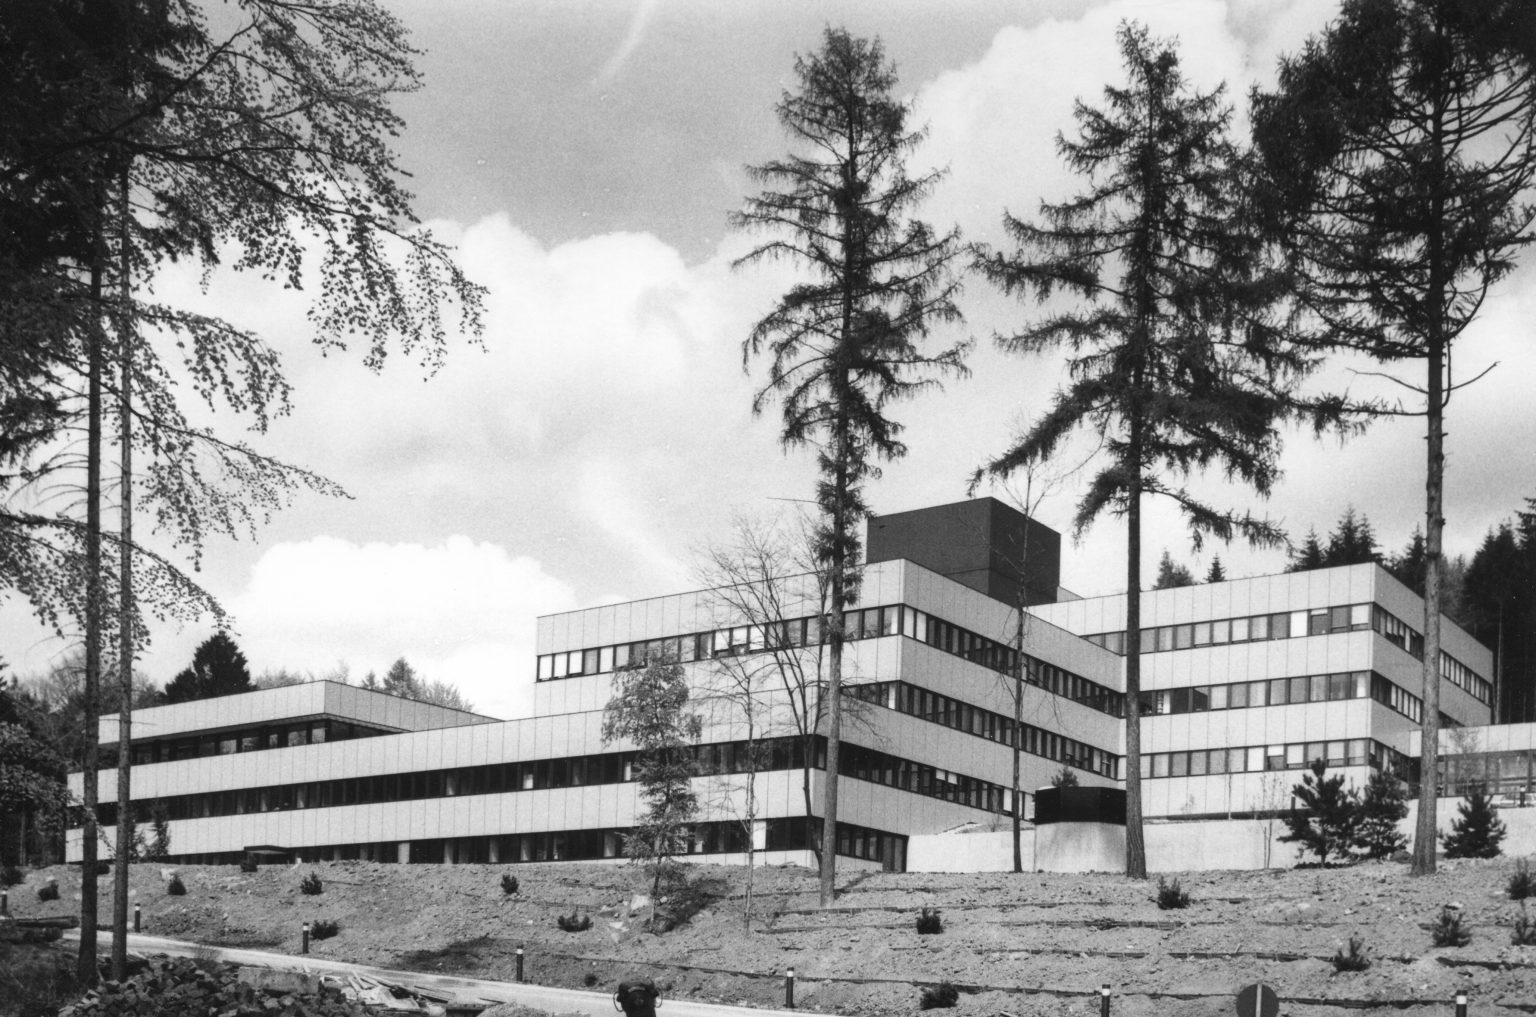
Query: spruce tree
(1172, 358)
(1477, 830)
(1383, 805)
(1216, 574)
(1399, 155)
(843, 343)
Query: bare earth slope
(1015, 944)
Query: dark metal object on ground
(637, 996)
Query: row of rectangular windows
(865, 623)
(919, 778)
(1322, 621)
(952, 713)
(1316, 688)
(726, 837)
(1253, 628)
(1261, 758)
(770, 754)
(246, 739)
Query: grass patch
(466, 955)
(36, 981)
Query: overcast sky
(584, 157)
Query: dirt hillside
(1014, 944)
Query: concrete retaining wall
(1195, 846)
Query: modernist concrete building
(1245, 681)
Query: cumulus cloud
(459, 610)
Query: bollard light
(789, 989)
(519, 964)
(138, 920)
(1104, 1000)
(305, 947)
(1461, 1004)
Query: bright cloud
(461, 611)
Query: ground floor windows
(795, 833)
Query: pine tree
(1216, 574)
(1327, 823)
(1400, 166)
(1166, 349)
(1477, 830)
(1383, 805)
(843, 343)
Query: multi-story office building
(1243, 683)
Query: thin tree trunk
(835, 637)
(125, 654)
(86, 966)
(1425, 828)
(1135, 844)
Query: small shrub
(12, 875)
(939, 997)
(323, 929)
(1477, 829)
(509, 884)
(249, 866)
(104, 867)
(311, 886)
(1448, 930)
(1521, 883)
(1171, 896)
(929, 923)
(574, 922)
(176, 888)
(48, 891)
(589, 979)
(1523, 933)
(1356, 959)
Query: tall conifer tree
(1171, 356)
(1400, 150)
(842, 344)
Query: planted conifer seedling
(1522, 884)
(1353, 958)
(1171, 896)
(1448, 929)
(939, 997)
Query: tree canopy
(1172, 357)
(842, 343)
(218, 669)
